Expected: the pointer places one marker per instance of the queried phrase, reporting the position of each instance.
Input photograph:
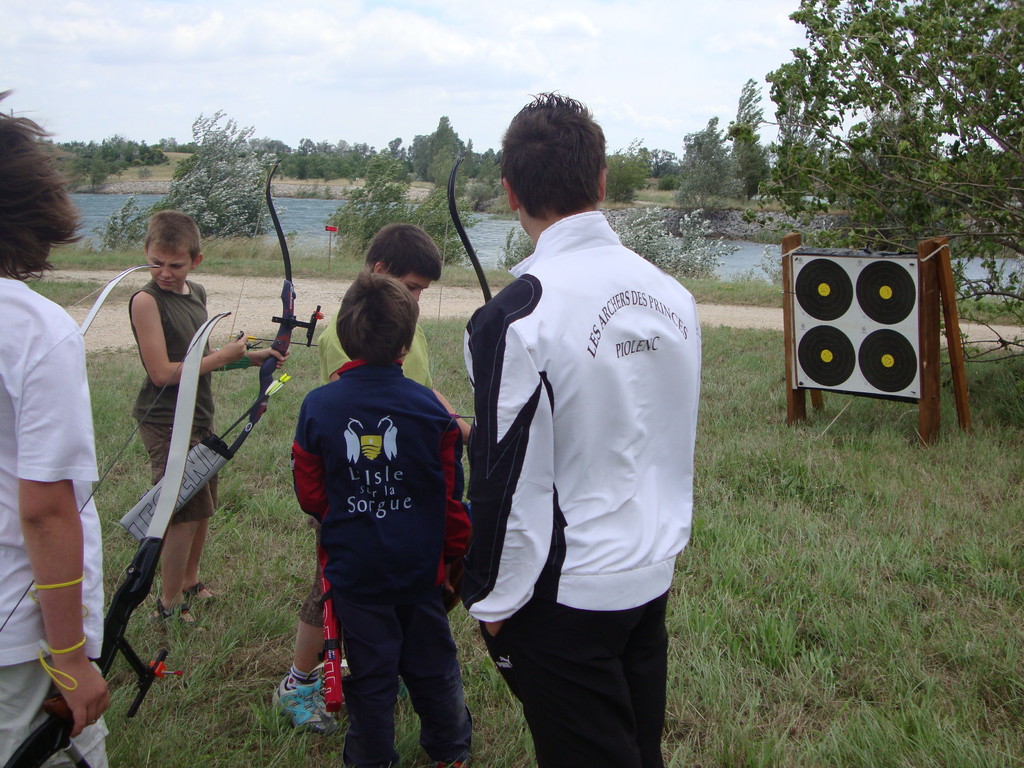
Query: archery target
(887, 360)
(886, 292)
(827, 355)
(855, 322)
(824, 290)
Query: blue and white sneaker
(304, 704)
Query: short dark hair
(35, 210)
(552, 156)
(175, 232)
(377, 320)
(403, 249)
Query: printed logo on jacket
(377, 493)
(632, 299)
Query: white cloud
(561, 24)
(371, 71)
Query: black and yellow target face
(886, 292)
(826, 355)
(888, 360)
(823, 289)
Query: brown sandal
(196, 590)
(163, 614)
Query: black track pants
(592, 683)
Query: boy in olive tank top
(164, 315)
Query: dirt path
(254, 300)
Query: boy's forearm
(229, 356)
(52, 531)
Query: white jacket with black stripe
(586, 377)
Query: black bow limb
(453, 209)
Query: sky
(369, 72)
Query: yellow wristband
(63, 679)
(58, 676)
(74, 647)
(64, 584)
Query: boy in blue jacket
(377, 461)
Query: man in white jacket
(586, 374)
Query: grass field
(848, 598)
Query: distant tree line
(707, 172)
(94, 163)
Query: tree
(627, 173)
(432, 156)
(383, 199)
(97, 169)
(663, 163)
(908, 114)
(397, 150)
(95, 162)
(749, 156)
(221, 185)
(126, 227)
(707, 168)
(274, 146)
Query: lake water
(302, 216)
(305, 218)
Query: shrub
(668, 183)
(381, 200)
(126, 227)
(692, 254)
(432, 214)
(518, 246)
(627, 173)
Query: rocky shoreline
(733, 225)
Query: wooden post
(954, 343)
(929, 415)
(796, 403)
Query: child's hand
(233, 350)
(90, 697)
(257, 356)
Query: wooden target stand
(935, 289)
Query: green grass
(848, 598)
(749, 293)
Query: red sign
(329, 228)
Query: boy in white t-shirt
(50, 550)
